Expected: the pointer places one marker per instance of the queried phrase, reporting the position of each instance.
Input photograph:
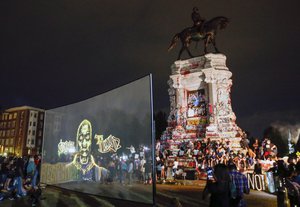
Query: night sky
(57, 52)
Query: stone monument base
(200, 103)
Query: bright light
(72, 150)
(125, 157)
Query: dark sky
(57, 52)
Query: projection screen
(103, 145)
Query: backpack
(232, 188)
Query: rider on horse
(201, 30)
(198, 20)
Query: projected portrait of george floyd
(83, 160)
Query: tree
(161, 123)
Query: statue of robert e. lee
(201, 30)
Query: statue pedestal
(200, 103)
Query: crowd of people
(20, 177)
(286, 176)
(125, 170)
(207, 153)
(230, 166)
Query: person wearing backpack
(31, 170)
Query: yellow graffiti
(83, 160)
(58, 173)
(110, 144)
(76, 162)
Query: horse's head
(224, 22)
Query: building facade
(21, 131)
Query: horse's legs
(213, 40)
(180, 52)
(206, 41)
(182, 49)
(186, 45)
(189, 52)
(183, 46)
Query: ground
(188, 195)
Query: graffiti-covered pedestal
(200, 103)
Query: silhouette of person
(197, 19)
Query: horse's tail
(174, 42)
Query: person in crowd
(36, 174)
(104, 176)
(241, 183)
(159, 165)
(10, 174)
(218, 187)
(269, 149)
(4, 172)
(18, 179)
(256, 147)
(163, 169)
(136, 165)
(13, 181)
(31, 168)
(130, 171)
(181, 151)
(242, 163)
(244, 142)
(148, 170)
(257, 167)
(142, 169)
(123, 172)
(292, 186)
(282, 169)
(165, 153)
(112, 171)
(297, 177)
(249, 161)
(175, 166)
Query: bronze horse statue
(208, 34)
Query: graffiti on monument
(223, 104)
(196, 102)
(196, 113)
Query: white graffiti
(66, 147)
(256, 182)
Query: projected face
(84, 140)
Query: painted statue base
(200, 103)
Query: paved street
(188, 195)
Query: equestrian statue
(201, 30)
